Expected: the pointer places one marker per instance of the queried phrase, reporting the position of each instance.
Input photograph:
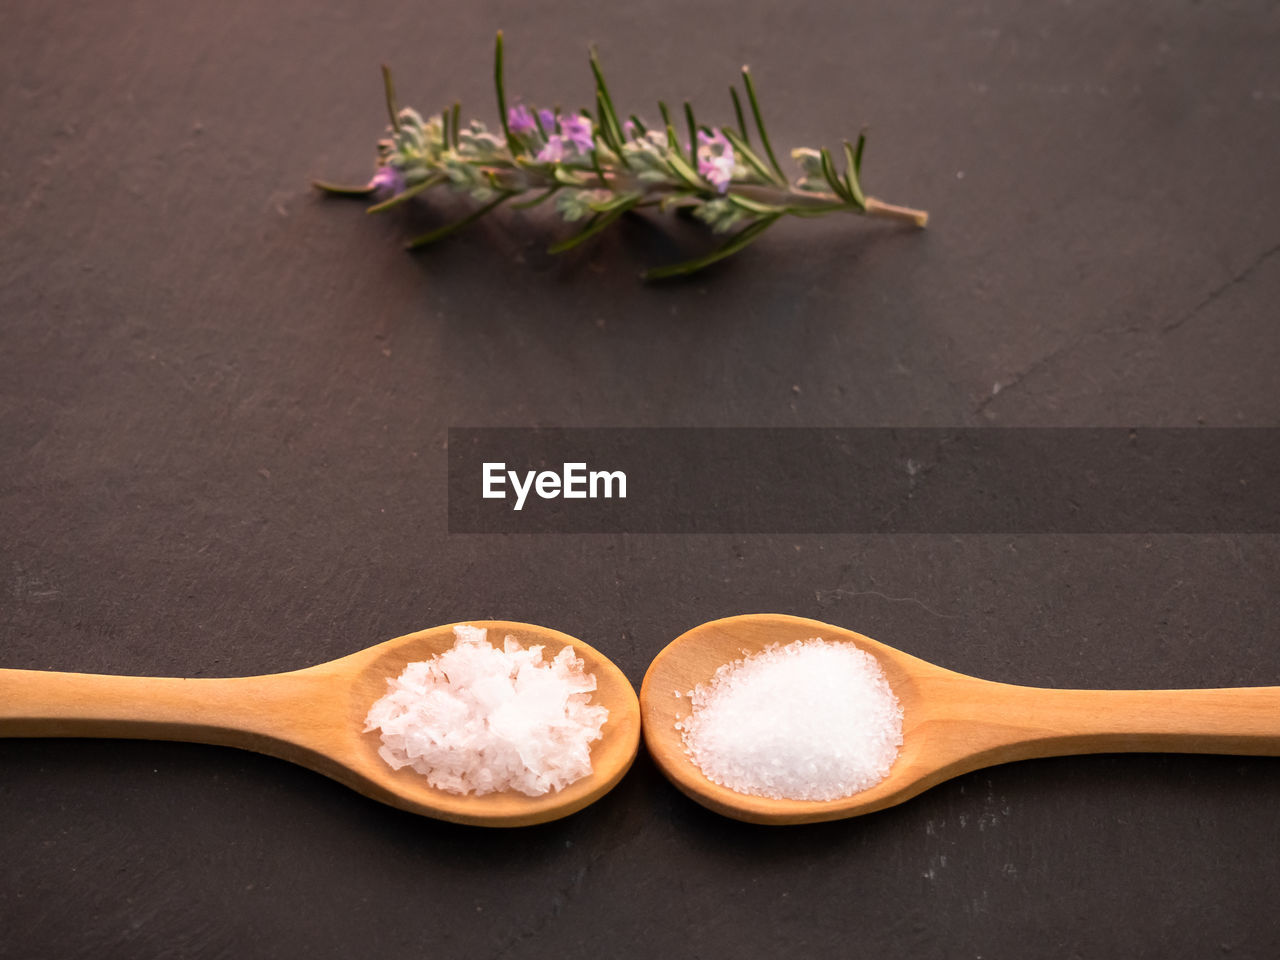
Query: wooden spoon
(315, 717)
(952, 723)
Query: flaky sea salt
(809, 721)
(481, 719)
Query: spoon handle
(248, 712)
(1025, 722)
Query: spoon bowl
(315, 717)
(952, 723)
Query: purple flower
(548, 119)
(577, 129)
(388, 181)
(574, 137)
(553, 151)
(715, 159)
(629, 130)
(520, 120)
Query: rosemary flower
(520, 120)
(388, 181)
(715, 159)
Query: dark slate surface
(223, 405)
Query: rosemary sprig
(594, 168)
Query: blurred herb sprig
(596, 167)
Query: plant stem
(829, 201)
(797, 200)
(889, 211)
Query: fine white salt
(809, 721)
(481, 719)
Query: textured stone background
(223, 404)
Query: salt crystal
(809, 721)
(476, 719)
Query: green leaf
(502, 93)
(565, 177)
(608, 115)
(627, 200)
(851, 176)
(693, 134)
(802, 210)
(456, 125)
(857, 154)
(540, 198)
(577, 238)
(599, 123)
(342, 190)
(755, 206)
(737, 242)
(389, 91)
(457, 225)
(641, 129)
(597, 223)
(595, 163)
(764, 136)
(406, 194)
(678, 201)
(606, 131)
(750, 156)
(833, 178)
(673, 142)
(680, 167)
(737, 112)
(444, 129)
